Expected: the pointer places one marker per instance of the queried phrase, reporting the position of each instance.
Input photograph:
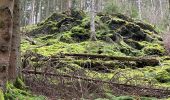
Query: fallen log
(141, 61)
(119, 88)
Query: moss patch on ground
(1, 95)
(14, 93)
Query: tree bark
(33, 13)
(6, 29)
(93, 30)
(139, 10)
(169, 18)
(15, 45)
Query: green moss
(125, 98)
(79, 34)
(19, 84)
(66, 37)
(154, 49)
(134, 44)
(78, 29)
(78, 14)
(146, 26)
(163, 77)
(116, 23)
(14, 93)
(1, 95)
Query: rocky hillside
(117, 34)
(123, 34)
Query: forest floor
(51, 44)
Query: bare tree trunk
(48, 8)
(15, 45)
(69, 4)
(93, 30)
(39, 11)
(160, 3)
(54, 5)
(139, 9)
(169, 6)
(6, 29)
(31, 21)
(168, 26)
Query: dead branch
(142, 91)
(151, 61)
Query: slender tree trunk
(139, 10)
(54, 5)
(169, 6)
(6, 29)
(33, 12)
(36, 11)
(15, 45)
(168, 27)
(47, 8)
(69, 4)
(161, 10)
(39, 11)
(93, 30)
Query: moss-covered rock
(76, 14)
(67, 23)
(146, 26)
(115, 24)
(134, 44)
(74, 27)
(123, 17)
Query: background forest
(152, 11)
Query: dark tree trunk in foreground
(6, 29)
(15, 45)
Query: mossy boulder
(146, 26)
(134, 44)
(76, 34)
(76, 14)
(74, 26)
(115, 24)
(55, 17)
(105, 18)
(122, 16)
(67, 23)
(79, 34)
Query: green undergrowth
(1, 95)
(55, 46)
(18, 91)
